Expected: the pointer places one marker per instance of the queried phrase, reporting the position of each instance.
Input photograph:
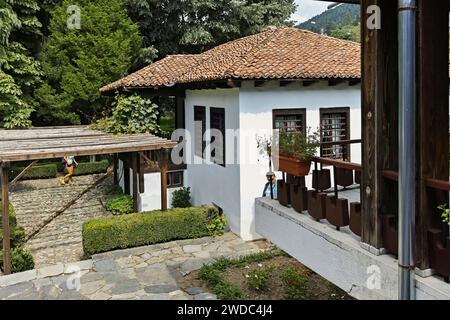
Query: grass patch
(213, 274)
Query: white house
(280, 77)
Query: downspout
(407, 146)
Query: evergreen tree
(192, 26)
(78, 61)
(19, 72)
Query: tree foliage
(347, 32)
(78, 61)
(131, 114)
(329, 20)
(19, 71)
(192, 26)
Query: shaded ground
(146, 273)
(35, 201)
(317, 287)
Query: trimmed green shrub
(21, 260)
(120, 205)
(182, 198)
(16, 234)
(12, 215)
(91, 168)
(217, 225)
(139, 229)
(45, 171)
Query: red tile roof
(276, 53)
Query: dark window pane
(218, 135)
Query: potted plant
(294, 152)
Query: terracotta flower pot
(293, 166)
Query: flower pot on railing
(293, 166)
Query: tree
(347, 32)
(78, 60)
(192, 26)
(19, 72)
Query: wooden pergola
(56, 142)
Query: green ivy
(131, 114)
(120, 205)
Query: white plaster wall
(211, 183)
(338, 256)
(256, 105)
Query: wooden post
(5, 219)
(379, 116)
(432, 105)
(134, 165)
(163, 154)
(141, 170)
(116, 169)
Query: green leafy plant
(257, 279)
(212, 274)
(182, 198)
(21, 259)
(120, 205)
(445, 214)
(297, 284)
(140, 229)
(295, 144)
(112, 190)
(131, 114)
(217, 225)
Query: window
(334, 126)
(290, 119)
(218, 135)
(175, 179)
(199, 131)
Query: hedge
(91, 167)
(140, 229)
(12, 215)
(36, 172)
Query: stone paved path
(59, 241)
(144, 273)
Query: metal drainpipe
(407, 141)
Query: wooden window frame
(212, 111)
(289, 112)
(200, 109)
(343, 110)
(170, 185)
